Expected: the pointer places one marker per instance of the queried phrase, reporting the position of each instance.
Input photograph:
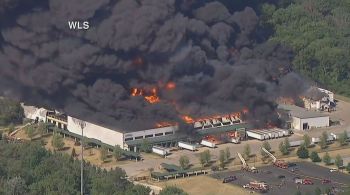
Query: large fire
(151, 96)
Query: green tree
(326, 159)
(287, 143)
(222, 159)
(137, 190)
(307, 140)
(318, 191)
(267, 146)
(246, 151)
(338, 161)
(30, 131)
(57, 141)
(207, 156)
(202, 159)
(227, 154)
(314, 157)
(184, 162)
(321, 52)
(348, 167)
(103, 153)
(117, 152)
(146, 146)
(323, 140)
(172, 190)
(328, 190)
(342, 140)
(11, 128)
(42, 128)
(16, 186)
(303, 152)
(10, 112)
(283, 148)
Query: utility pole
(82, 125)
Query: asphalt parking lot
(281, 181)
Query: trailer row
(264, 134)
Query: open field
(278, 185)
(203, 185)
(343, 98)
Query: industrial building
(301, 119)
(318, 99)
(222, 128)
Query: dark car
(229, 179)
(292, 164)
(281, 177)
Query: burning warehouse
(146, 67)
(167, 136)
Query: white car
(333, 169)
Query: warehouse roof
(300, 112)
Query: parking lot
(281, 181)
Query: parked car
(229, 179)
(281, 177)
(333, 169)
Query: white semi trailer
(187, 146)
(160, 150)
(208, 143)
(235, 140)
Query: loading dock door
(305, 126)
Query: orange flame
(136, 92)
(187, 119)
(170, 85)
(165, 124)
(153, 98)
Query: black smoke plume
(207, 48)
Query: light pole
(82, 125)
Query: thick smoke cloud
(207, 49)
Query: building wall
(103, 134)
(32, 112)
(150, 133)
(312, 122)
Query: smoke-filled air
(143, 62)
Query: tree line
(318, 32)
(27, 168)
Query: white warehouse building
(302, 119)
(127, 140)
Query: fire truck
(245, 166)
(278, 163)
(305, 181)
(257, 186)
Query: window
(169, 133)
(158, 134)
(147, 136)
(139, 137)
(128, 139)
